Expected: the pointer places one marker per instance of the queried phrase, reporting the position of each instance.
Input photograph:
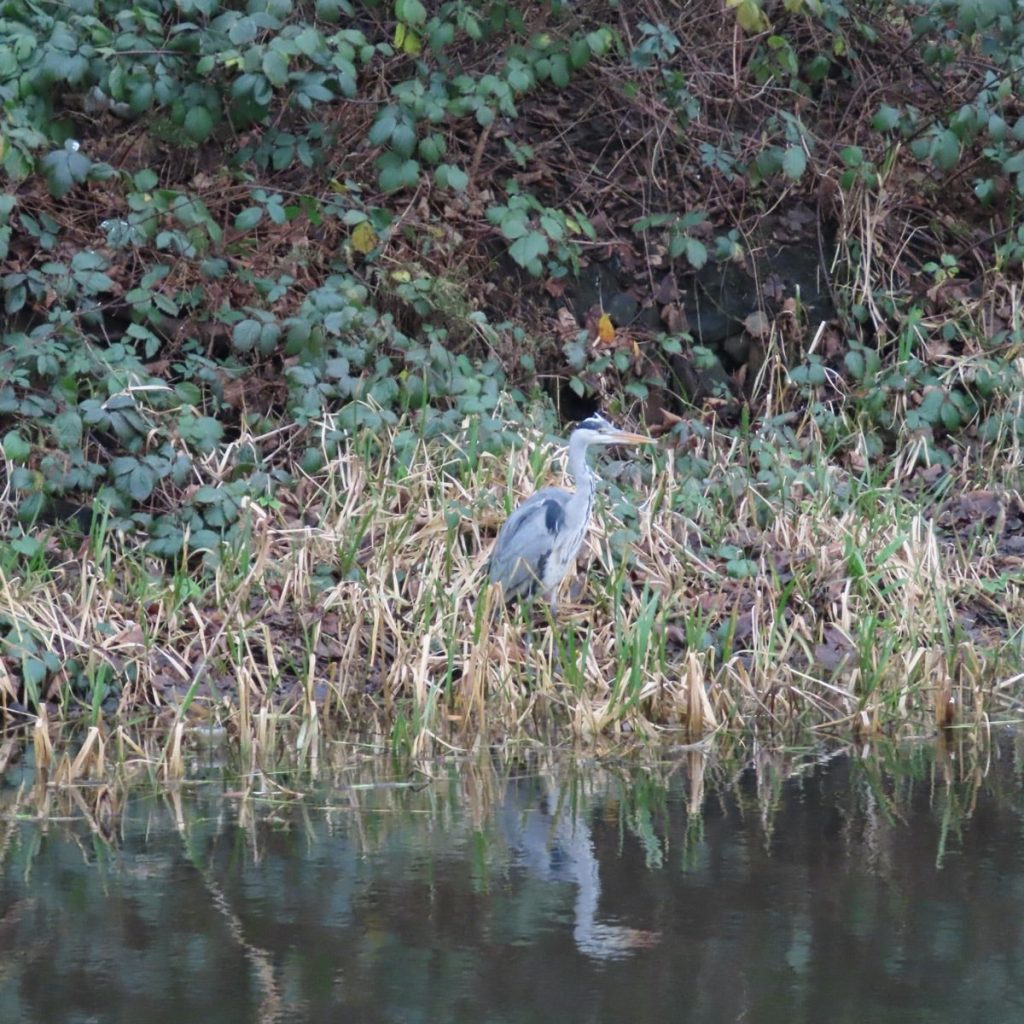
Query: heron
(538, 542)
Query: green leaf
(64, 168)
(140, 95)
(135, 477)
(205, 433)
(309, 41)
(885, 119)
(520, 78)
(1014, 164)
(270, 334)
(560, 70)
(852, 156)
(794, 163)
(945, 151)
(245, 334)
(396, 173)
(141, 481)
(411, 12)
(950, 416)
(275, 67)
(403, 139)
(188, 393)
(741, 568)
(248, 218)
(198, 124)
(552, 227)
(93, 281)
(579, 52)
(855, 364)
(383, 126)
(16, 448)
(450, 176)
(513, 225)
(528, 248)
(997, 127)
(86, 260)
(27, 546)
(986, 190)
(331, 10)
(33, 671)
(599, 41)
(431, 148)
(696, 253)
(244, 30)
(145, 180)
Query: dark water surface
(867, 887)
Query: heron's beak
(622, 437)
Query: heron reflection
(557, 846)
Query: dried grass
(378, 617)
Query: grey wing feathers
(525, 542)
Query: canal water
(812, 885)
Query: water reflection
(764, 887)
(553, 843)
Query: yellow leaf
(406, 40)
(364, 238)
(401, 276)
(749, 15)
(605, 329)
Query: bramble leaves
(290, 259)
(64, 168)
(794, 163)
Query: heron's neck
(580, 471)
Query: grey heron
(538, 542)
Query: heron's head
(597, 430)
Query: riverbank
(843, 603)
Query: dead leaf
(10, 752)
(674, 318)
(667, 290)
(774, 288)
(834, 650)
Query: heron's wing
(525, 541)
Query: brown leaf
(832, 343)
(834, 650)
(667, 290)
(566, 325)
(674, 318)
(773, 288)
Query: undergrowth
(291, 295)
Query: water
(812, 887)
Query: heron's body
(539, 541)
